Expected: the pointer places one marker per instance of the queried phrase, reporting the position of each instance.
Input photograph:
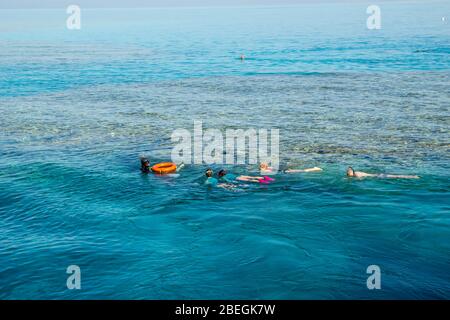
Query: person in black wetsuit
(145, 165)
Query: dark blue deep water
(77, 108)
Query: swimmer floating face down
(360, 174)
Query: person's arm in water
(315, 169)
(180, 166)
(227, 186)
(400, 176)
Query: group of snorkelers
(228, 180)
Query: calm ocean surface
(79, 107)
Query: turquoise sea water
(79, 107)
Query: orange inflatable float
(164, 168)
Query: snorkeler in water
(230, 178)
(220, 183)
(264, 167)
(145, 165)
(359, 174)
(210, 180)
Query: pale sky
(8, 4)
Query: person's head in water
(145, 165)
(145, 162)
(264, 166)
(209, 173)
(222, 173)
(350, 172)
